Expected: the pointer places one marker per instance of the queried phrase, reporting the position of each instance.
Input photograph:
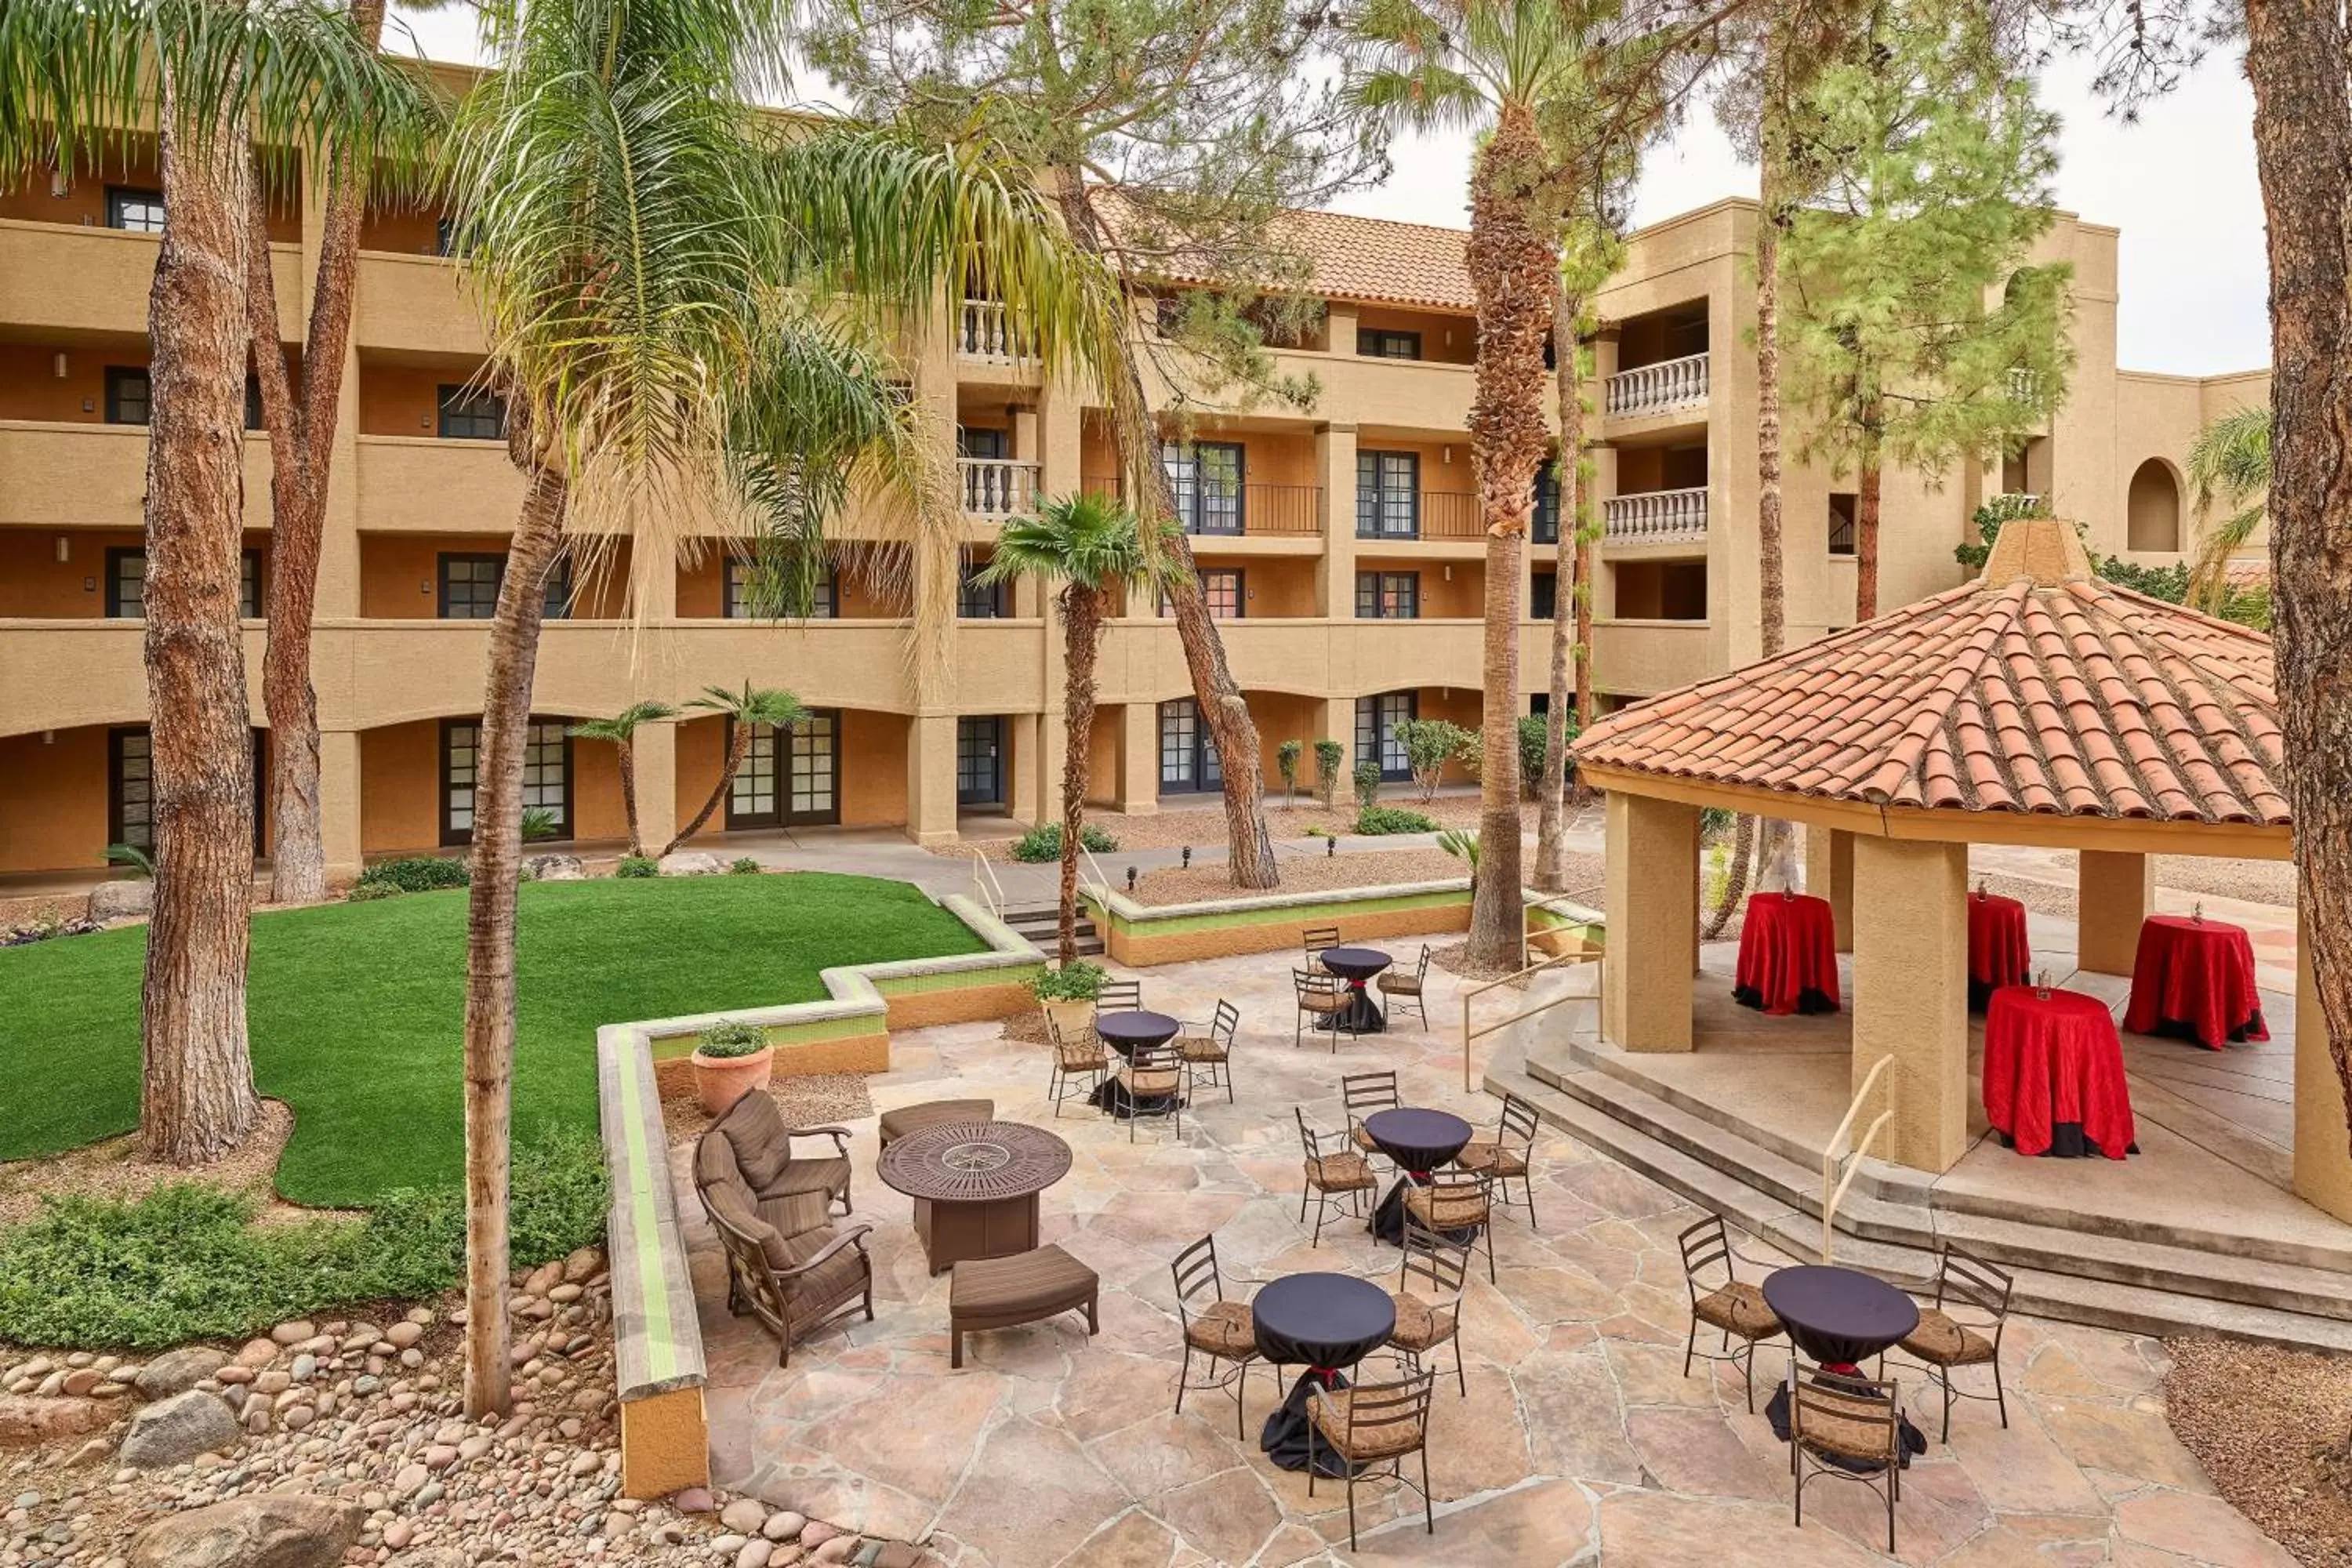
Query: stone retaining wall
(1141, 935)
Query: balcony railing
(1657, 388)
(1254, 511)
(1655, 517)
(1433, 514)
(983, 333)
(998, 486)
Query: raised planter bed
(1141, 935)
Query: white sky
(2180, 184)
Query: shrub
(1045, 842)
(368, 892)
(1532, 739)
(1431, 744)
(1077, 982)
(131, 854)
(418, 873)
(743, 866)
(187, 1262)
(539, 822)
(1368, 785)
(731, 1038)
(1285, 762)
(1462, 843)
(637, 866)
(1375, 820)
(1330, 756)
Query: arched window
(2152, 509)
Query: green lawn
(356, 1009)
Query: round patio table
(2053, 1077)
(1324, 1322)
(1841, 1318)
(1418, 1142)
(1788, 955)
(1123, 1032)
(1356, 965)
(2194, 979)
(1998, 952)
(975, 1186)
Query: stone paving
(1580, 1440)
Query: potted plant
(730, 1058)
(1067, 994)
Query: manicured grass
(356, 1010)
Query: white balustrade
(1655, 517)
(983, 333)
(998, 486)
(1657, 388)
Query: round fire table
(975, 1186)
(1356, 965)
(1123, 1032)
(1323, 1322)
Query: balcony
(424, 485)
(1249, 510)
(995, 489)
(55, 275)
(983, 333)
(413, 304)
(1661, 388)
(1655, 517)
(1433, 514)
(85, 474)
(1143, 660)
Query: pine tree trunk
(1082, 618)
(496, 864)
(739, 747)
(627, 757)
(1865, 529)
(1551, 821)
(196, 1097)
(1514, 273)
(301, 454)
(2297, 56)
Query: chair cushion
(1362, 1138)
(829, 1176)
(1318, 1002)
(1420, 1324)
(1847, 1429)
(897, 1125)
(1940, 1341)
(1339, 1172)
(1222, 1329)
(1445, 1208)
(793, 1214)
(843, 1274)
(763, 1144)
(1491, 1159)
(1081, 1054)
(731, 1201)
(1200, 1048)
(1329, 1410)
(1741, 1308)
(714, 1162)
(1151, 1082)
(1400, 984)
(1036, 1281)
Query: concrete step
(1042, 923)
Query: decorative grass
(356, 1010)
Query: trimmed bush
(188, 1262)
(1285, 762)
(1077, 982)
(1532, 739)
(637, 866)
(731, 1038)
(1376, 820)
(744, 866)
(416, 874)
(368, 892)
(1044, 843)
(1330, 756)
(1368, 785)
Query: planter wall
(1142, 935)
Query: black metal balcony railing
(1250, 511)
(1428, 515)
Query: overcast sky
(2180, 184)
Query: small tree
(1368, 785)
(621, 730)
(1330, 759)
(1285, 762)
(2230, 458)
(1431, 744)
(745, 712)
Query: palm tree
(685, 308)
(746, 712)
(208, 74)
(1091, 547)
(2230, 459)
(621, 730)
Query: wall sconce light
(1449, 573)
(1130, 879)
(60, 184)
(48, 737)
(425, 421)
(1188, 857)
(57, 366)
(65, 548)
(89, 584)
(424, 587)
(1446, 455)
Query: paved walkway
(1580, 1440)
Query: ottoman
(897, 1125)
(1027, 1288)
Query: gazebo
(2036, 706)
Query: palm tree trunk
(196, 1097)
(301, 453)
(739, 747)
(1082, 617)
(1734, 885)
(1865, 528)
(1513, 273)
(1551, 819)
(627, 756)
(1583, 621)
(1772, 606)
(2296, 58)
(496, 864)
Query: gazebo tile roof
(2035, 689)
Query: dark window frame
(118, 377)
(1189, 491)
(249, 564)
(120, 199)
(1381, 342)
(1544, 527)
(1373, 586)
(117, 826)
(967, 728)
(556, 606)
(1380, 739)
(461, 401)
(1843, 526)
(825, 604)
(1374, 463)
(456, 835)
(1207, 771)
(1543, 596)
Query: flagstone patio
(1580, 1440)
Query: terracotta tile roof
(1377, 260)
(2035, 688)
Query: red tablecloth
(1998, 952)
(2195, 978)
(2055, 1063)
(1788, 955)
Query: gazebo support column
(2113, 893)
(1652, 899)
(1911, 994)
(2323, 1149)
(1829, 874)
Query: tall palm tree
(747, 713)
(620, 731)
(685, 308)
(208, 74)
(2229, 460)
(1091, 547)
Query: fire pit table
(975, 1186)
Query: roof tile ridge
(1886, 782)
(2096, 661)
(2056, 765)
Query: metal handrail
(1470, 1035)
(985, 886)
(1102, 878)
(1838, 1170)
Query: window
(1376, 722)
(1380, 342)
(980, 761)
(134, 210)
(791, 779)
(248, 585)
(126, 584)
(738, 602)
(1221, 589)
(469, 587)
(1188, 754)
(979, 443)
(128, 398)
(978, 600)
(470, 414)
(1841, 516)
(1545, 526)
(1543, 596)
(546, 775)
(1388, 495)
(1388, 595)
(130, 789)
(751, 796)
(1206, 477)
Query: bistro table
(2194, 979)
(2053, 1075)
(1841, 1318)
(1324, 1322)
(1419, 1142)
(1356, 965)
(1998, 953)
(975, 1186)
(1123, 1032)
(1788, 955)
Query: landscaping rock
(281, 1529)
(176, 1430)
(744, 1515)
(691, 863)
(556, 867)
(29, 1419)
(177, 1372)
(124, 898)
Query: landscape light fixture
(1330, 847)
(1188, 857)
(1130, 879)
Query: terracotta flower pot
(720, 1082)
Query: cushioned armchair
(755, 1133)
(786, 1261)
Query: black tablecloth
(1419, 1142)
(1123, 1032)
(1840, 1317)
(1324, 1322)
(1356, 965)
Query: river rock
(177, 1372)
(691, 863)
(173, 1431)
(122, 899)
(28, 1418)
(279, 1530)
(555, 868)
